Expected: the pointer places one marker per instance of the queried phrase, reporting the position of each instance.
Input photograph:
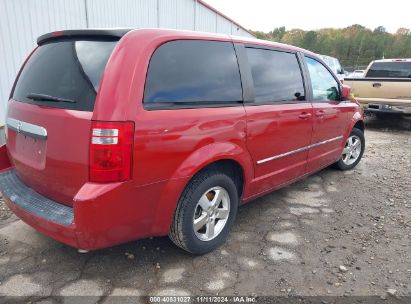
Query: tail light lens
(111, 146)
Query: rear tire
(205, 212)
(353, 150)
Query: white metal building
(22, 21)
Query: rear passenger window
(193, 72)
(276, 76)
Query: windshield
(390, 70)
(333, 63)
(64, 70)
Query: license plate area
(28, 150)
(371, 106)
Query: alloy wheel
(211, 213)
(352, 150)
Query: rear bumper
(34, 203)
(49, 217)
(382, 111)
(102, 215)
(373, 105)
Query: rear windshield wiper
(44, 97)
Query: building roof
(224, 16)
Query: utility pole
(359, 52)
(86, 11)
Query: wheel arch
(223, 154)
(227, 156)
(359, 124)
(356, 121)
(230, 167)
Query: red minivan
(118, 135)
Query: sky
(265, 15)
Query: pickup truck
(386, 87)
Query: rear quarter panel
(165, 139)
(170, 146)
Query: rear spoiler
(114, 34)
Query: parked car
(386, 87)
(118, 135)
(356, 74)
(335, 66)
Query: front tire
(353, 150)
(205, 213)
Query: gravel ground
(332, 234)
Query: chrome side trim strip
(26, 128)
(262, 161)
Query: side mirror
(345, 92)
(341, 71)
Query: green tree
(278, 33)
(355, 45)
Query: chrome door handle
(319, 113)
(304, 115)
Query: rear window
(68, 70)
(276, 75)
(390, 70)
(193, 72)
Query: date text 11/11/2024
(202, 299)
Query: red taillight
(111, 146)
